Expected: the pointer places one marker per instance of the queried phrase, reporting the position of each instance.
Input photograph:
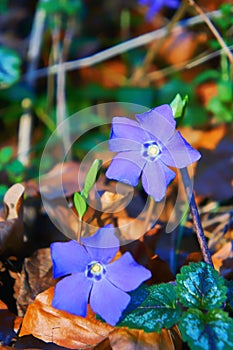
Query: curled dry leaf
(60, 327)
(36, 276)
(132, 339)
(11, 226)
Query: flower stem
(195, 215)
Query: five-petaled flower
(156, 5)
(92, 277)
(147, 148)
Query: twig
(120, 48)
(26, 122)
(153, 50)
(213, 30)
(195, 215)
(185, 65)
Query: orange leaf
(60, 327)
(132, 339)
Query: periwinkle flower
(156, 5)
(90, 276)
(146, 148)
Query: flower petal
(68, 257)
(155, 179)
(128, 129)
(108, 301)
(103, 245)
(126, 274)
(72, 294)
(126, 167)
(159, 122)
(121, 145)
(178, 152)
(172, 3)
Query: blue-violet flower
(92, 277)
(147, 148)
(156, 5)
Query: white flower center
(150, 150)
(96, 268)
(153, 150)
(95, 271)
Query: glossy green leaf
(137, 297)
(91, 177)
(207, 331)
(80, 204)
(178, 105)
(5, 154)
(199, 285)
(9, 67)
(159, 310)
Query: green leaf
(220, 112)
(3, 189)
(159, 310)
(178, 105)
(9, 67)
(210, 331)
(225, 91)
(209, 74)
(200, 286)
(91, 177)
(137, 297)
(80, 204)
(15, 167)
(70, 7)
(5, 154)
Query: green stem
(195, 215)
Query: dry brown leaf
(222, 254)
(111, 74)
(131, 339)
(61, 181)
(11, 228)
(180, 46)
(35, 277)
(207, 139)
(60, 327)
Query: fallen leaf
(131, 339)
(11, 228)
(180, 46)
(61, 181)
(222, 254)
(60, 327)
(111, 74)
(36, 276)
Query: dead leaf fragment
(132, 339)
(36, 276)
(60, 327)
(11, 227)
